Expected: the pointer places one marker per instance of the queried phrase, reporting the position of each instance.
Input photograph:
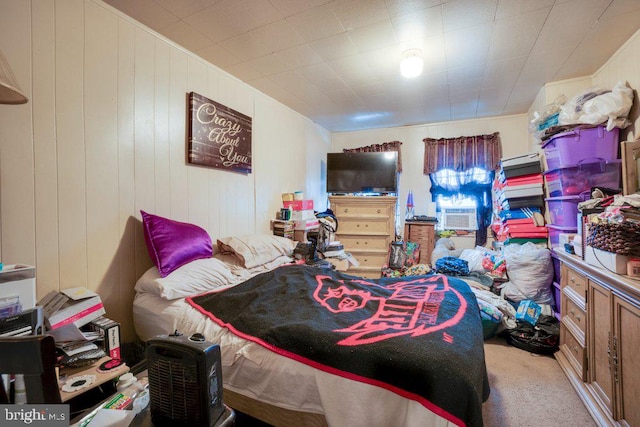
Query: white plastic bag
(530, 273)
(573, 109)
(474, 259)
(612, 107)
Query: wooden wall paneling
(144, 137)
(16, 142)
(178, 89)
(216, 198)
(247, 215)
(45, 147)
(128, 217)
(227, 204)
(101, 130)
(71, 143)
(198, 176)
(161, 128)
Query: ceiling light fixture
(412, 63)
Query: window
(461, 171)
(463, 199)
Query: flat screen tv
(362, 172)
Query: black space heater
(185, 381)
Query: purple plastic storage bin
(563, 210)
(577, 145)
(582, 177)
(556, 267)
(555, 231)
(555, 288)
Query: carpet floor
(529, 390)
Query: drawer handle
(575, 349)
(346, 210)
(572, 279)
(379, 210)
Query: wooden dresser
(366, 227)
(600, 340)
(423, 233)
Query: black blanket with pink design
(420, 336)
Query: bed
(275, 367)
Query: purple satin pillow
(172, 244)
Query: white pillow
(194, 278)
(256, 249)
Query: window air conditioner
(459, 219)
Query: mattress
(258, 373)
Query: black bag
(543, 338)
(397, 255)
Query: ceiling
(337, 61)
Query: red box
(299, 205)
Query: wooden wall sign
(218, 136)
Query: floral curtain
(462, 153)
(385, 146)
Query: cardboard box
(607, 260)
(82, 307)
(528, 311)
(303, 215)
(109, 330)
(306, 224)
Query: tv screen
(362, 172)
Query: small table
(100, 377)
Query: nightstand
(423, 233)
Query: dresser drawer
(364, 209)
(363, 227)
(363, 243)
(574, 280)
(572, 312)
(574, 351)
(372, 259)
(421, 232)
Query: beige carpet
(529, 390)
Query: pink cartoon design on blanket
(411, 309)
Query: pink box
(299, 205)
(577, 145)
